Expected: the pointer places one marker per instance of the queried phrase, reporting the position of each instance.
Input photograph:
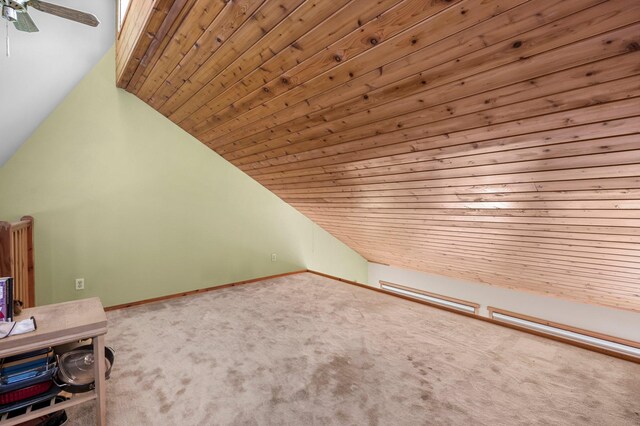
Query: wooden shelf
(58, 324)
(74, 400)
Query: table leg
(101, 390)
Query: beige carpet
(305, 350)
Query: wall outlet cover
(79, 283)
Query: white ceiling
(45, 66)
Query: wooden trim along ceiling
(487, 140)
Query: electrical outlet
(79, 283)
(274, 257)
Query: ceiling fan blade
(65, 12)
(25, 23)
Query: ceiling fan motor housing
(17, 5)
(11, 8)
(9, 14)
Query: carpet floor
(306, 350)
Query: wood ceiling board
(521, 156)
(474, 59)
(153, 25)
(280, 41)
(535, 177)
(479, 262)
(585, 267)
(407, 142)
(493, 278)
(270, 81)
(409, 85)
(396, 130)
(230, 20)
(502, 281)
(578, 266)
(632, 194)
(195, 23)
(569, 249)
(507, 190)
(159, 39)
(606, 71)
(131, 36)
(493, 141)
(360, 112)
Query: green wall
(129, 201)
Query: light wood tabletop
(56, 324)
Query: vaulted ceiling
(488, 140)
(43, 67)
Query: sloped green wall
(129, 201)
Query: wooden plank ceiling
(489, 140)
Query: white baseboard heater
(436, 299)
(609, 343)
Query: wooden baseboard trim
(198, 291)
(400, 296)
(486, 319)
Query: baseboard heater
(436, 299)
(559, 330)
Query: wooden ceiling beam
(131, 35)
(159, 40)
(195, 23)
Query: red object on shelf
(24, 393)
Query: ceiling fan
(16, 11)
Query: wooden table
(58, 324)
